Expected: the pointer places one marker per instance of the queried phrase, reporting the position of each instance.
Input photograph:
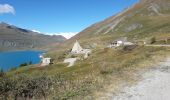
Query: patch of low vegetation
(13, 69)
(103, 67)
(22, 87)
(22, 65)
(153, 40)
(25, 64)
(2, 72)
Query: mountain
(144, 20)
(14, 38)
(104, 67)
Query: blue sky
(60, 16)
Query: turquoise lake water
(9, 60)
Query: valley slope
(106, 69)
(144, 20)
(14, 38)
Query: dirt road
(154, 86)
(157, 45)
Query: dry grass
(105, 71)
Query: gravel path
(155, 85)
(71, 61)
(157, 45)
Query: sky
(65, 17)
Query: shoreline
(8, 51)
(14, 59)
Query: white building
(116, 44)
(120, 42)
(45, 61)
(77, 49)
(128, 43)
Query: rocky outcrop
(133, 27)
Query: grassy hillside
(146, 19)
(102, 68)
(105, 66)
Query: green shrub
(30, 63)
(153, 40)
(25, 87)
(73, 56)
(2, 72)
(61, 57)
(22, 65)
(13, 68)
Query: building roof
(77, 47)
(47, 58)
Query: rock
(133, 27)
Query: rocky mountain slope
(145, 19)
(14, 38)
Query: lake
(13, 59)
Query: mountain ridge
(15, 38)
(145, 19)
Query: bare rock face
(133, 27)
(155, 9)
(8, 43)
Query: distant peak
(35, 31)
(3, 23)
